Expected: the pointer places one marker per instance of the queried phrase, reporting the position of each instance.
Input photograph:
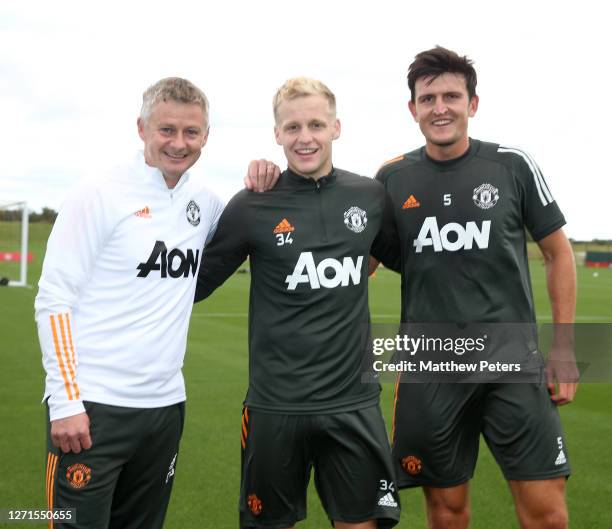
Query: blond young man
(308, 242)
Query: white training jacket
(117, 288)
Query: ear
(141, 127)
(473, 106)
(277, 135)
(413, 111)
(205, 136)
(337, 128)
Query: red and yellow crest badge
(78, 475)
(412, 464)
(254, 504)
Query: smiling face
(173, 135)
(442, 108)
(306, 127)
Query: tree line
(45, 215)
(49, 215)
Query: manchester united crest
(78, 475)
(412, 465)
(355, 219)
(193, 213)
(486, 196)
(254, 504)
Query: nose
(178, 142)
(440, 106)
(305, 135)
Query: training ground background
(206, 487)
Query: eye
(166, 130)
(317, 125)
(193, 132)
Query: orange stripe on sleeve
(396, 159)
(59, 357)
(71, 368)
(74, 382)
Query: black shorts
(350, 455)
(437, 427)
(125, 479)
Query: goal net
(14, 254)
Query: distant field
(207, 479)
(10, 241)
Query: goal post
(14, 223)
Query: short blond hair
(173, 89)
(302, 87)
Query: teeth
(176, 156)
(305, 151)
(442, 122)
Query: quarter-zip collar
(295, 180)
(156, 178)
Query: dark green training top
(308, 244)
(462, 227)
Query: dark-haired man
(461, 207)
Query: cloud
(72, 75)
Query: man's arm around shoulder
(228, 248)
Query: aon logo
(461, 238)
(174, 263)
(329, 273)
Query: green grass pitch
(206, 488)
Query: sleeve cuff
(540, 234)
(61, 410)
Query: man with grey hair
(113, 308)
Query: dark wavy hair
(437, 61)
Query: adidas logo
(411, 202)
(387, 500)
(144, 213)
(284, 226)
(561, 459)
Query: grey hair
(173, 89)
